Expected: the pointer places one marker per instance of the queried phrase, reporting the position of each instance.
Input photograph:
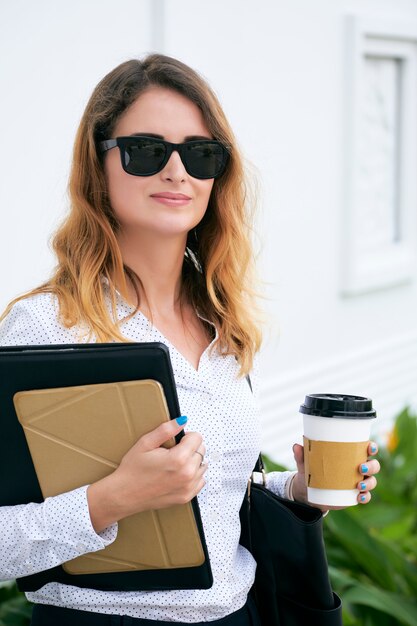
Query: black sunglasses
(145, 156)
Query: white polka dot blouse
(221, 407)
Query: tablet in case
(58, 369)
(78, 435)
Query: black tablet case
(59, 365)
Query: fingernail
(181, 420)
(363, 498)
(373, 448)
(363, 486)
(364, 469)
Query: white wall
(52, 56)
(279, 69)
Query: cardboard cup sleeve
(333, 464)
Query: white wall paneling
(380, 222)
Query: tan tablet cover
(77, 435)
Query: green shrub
(15, 610)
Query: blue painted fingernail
(363, 486)
(363, 498)
(182, 419)
(364, 469)
(373, 448)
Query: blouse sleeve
(38, 536)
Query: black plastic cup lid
(338, 405)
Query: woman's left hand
(368, 469)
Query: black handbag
(292, 586)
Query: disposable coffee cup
(337, 430)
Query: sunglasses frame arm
(107, 144)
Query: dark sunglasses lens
(143, 157)
(205, 159)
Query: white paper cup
(332, 473)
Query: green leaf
(406, 428)
(341, 579)
(384, 601)
(405, 569)
(15, 610)
(401, 528)
(380, 515)
(365, 550)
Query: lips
(171, 196)
(170, 199)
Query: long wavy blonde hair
(218, 262)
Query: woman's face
(170, 202)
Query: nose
(174, 170)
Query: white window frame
(396, 262)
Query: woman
(156, 248)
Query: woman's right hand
(150, 477)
